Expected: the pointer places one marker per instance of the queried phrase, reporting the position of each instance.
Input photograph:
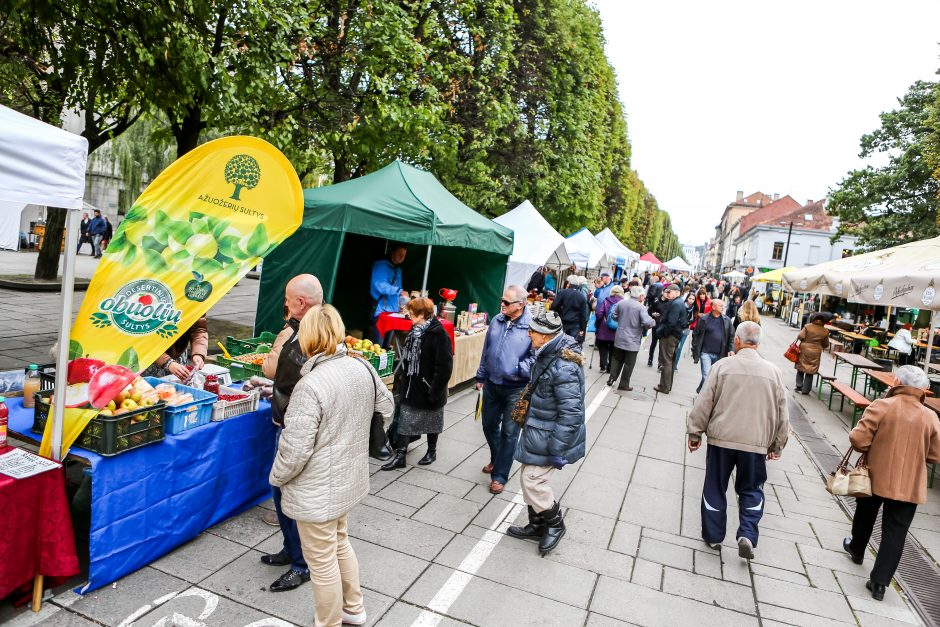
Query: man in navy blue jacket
(503, 373)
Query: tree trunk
(47, 265)
(187, 131)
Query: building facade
(726, 231)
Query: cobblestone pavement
(432, 550)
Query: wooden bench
(823, 378)
(835, 346)
(858, 401)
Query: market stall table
(37, 539)
(150, 500)
(856, 361)
(468, 350)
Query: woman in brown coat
(813, 339)
(901, 436)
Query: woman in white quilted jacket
(322, 463)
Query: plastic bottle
(30, 386)
(4, 416)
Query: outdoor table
(885, 378)
(37, 539)
(855, 337)
(856, 361)
(150, 500)
(467, 353)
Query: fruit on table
(232, 397)
(129, 404)
(107, 383)
(82, 369)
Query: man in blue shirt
(96, 230)
(386, 287)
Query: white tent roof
(615, 248)
(535, 242)
(583, 248)
(678, 263)
(39, 163)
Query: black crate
(110, 435)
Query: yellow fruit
(128, 404)
(120, 398)
(147, 402)
(111, 406)
(366, 343)
(106, 412)
(135, 396)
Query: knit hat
(546, 323)
(671, 286)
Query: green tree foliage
(889, 204)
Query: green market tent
(346, 227)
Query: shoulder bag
(837, 483)
(859, 481)
(793, 352)
(521, 409)
(378, 441)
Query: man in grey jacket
(743, 412)
(632, 320)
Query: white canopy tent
(735, 274)
(535, 243)
(679, 264)
(585, 250)
(45, 165)
(616, 250)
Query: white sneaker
(354, 619)
(745, 549)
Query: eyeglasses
(507, 303)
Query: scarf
(413, 347)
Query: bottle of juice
(30, 385)
(4, 414)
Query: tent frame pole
(427, 267)
(933, 322)
(68, 289)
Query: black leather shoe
(858, 558)
(276, 559)
(429, 458)
(877, 590)
(288, 581)
(398, 461)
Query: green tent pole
(427, 266)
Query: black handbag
(378, 442)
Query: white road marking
(471, 564)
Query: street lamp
(786, 252)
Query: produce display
(172, 396)
(255, 359)
(363, 346)
(231, 398)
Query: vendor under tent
(348, 226)
(678, 264)
(586, 251)
(901, 276)
(535, 243)
(624, 257)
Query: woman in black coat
(421, 380)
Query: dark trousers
(667, 355)
(402, 441)
(604, 348)
(750, 474)
(896, 518)
(289, 530)
(500, 430)
(804, 382)
(653, 343)
(573, 331)
(624, 359)
(84, 239)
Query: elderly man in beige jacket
(743, 411)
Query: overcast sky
(743, 95)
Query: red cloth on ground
(36, 537)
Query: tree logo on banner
(242, 171)
(140, 307)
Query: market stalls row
(346, 227)
(535, 244)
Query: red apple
(107, 383)
(76, 395)
(82, 369)
(146, 299)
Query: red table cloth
(36, 537)
(392, 322)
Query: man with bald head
(283, 364)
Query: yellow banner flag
(197, 229)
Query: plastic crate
(226, 409)
(46, 376)
(110, 435)
(239, 370)
(376, 361)
(236, 346)
(179, 418)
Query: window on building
(846, 252)
(778, 251)
(814, 252)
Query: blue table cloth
(148, 501)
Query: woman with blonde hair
(747, 313)
(322, 460)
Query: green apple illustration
(198, 289)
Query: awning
(585, 250)
(772, 276)
(678, 263)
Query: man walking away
(632, 322)
(743, 412)
(83, 234)
(713, 339)
(96, 230)
(503, 372)
(669, 331)
(572, 307)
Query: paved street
(432, 550)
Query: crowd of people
(531, 381)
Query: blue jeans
(675, 361)
(289, 530)
(705, 362)
(500, 429)
(750, 474)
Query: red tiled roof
(768, 214)
(819, 219)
